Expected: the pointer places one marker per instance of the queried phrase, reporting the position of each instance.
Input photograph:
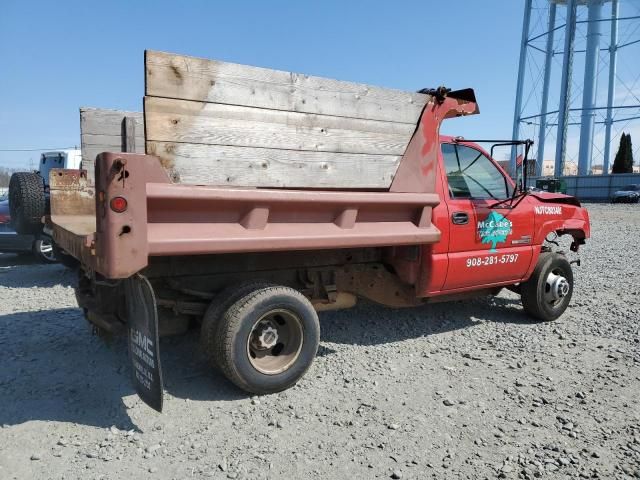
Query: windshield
(631, 188)
(471, 174)
(52, 159)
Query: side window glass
(471, 174)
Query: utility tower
(573, 96)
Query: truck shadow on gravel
(18, 259)
(54, 369)
(370, 324)
(18, 271)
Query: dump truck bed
(256, 160)
(165, 219)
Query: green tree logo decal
(494, 229)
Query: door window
(472, 175)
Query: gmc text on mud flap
(143, 362)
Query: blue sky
(60, 55)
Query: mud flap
(144, 348)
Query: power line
(35, 149)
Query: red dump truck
(252, 260)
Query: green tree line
(5, 175)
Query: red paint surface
(444, 266)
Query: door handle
(460, 218)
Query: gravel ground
(461, 390)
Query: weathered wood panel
(189, 78)
(263, 167)
(101, 121)
(215, 124)
(130, 132)
(226, 124)
(103, 130)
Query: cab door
(489, 244)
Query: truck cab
(69, 159)
(489, 237)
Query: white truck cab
(58, 159)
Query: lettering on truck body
(547, 210)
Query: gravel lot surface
(467, 389)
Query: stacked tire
(27, 202)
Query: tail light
(118, 204)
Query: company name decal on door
(494, 230)
(547, 210)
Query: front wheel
(546, 295)
(267, 339)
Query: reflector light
(118, 204)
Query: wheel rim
(275, 341)
(46, 250)
(557, 287)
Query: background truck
(29, 191)
(39, 244)
(266, 197)
(28, 203)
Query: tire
(546, 295)
(267, 339)
(43, 248)
(220, 304)
(27, 203)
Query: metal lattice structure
(579, 117)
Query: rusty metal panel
(417, 169)
(73, 212)
(122, 247)
(199, 220)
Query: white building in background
(570, 168)
(548, 168)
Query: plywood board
(217, 123)
(264, 167)
(186, 121)
(104, 130)
(188, 78)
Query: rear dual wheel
(263, 337)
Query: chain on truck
(265, 197)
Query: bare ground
(468, 389)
